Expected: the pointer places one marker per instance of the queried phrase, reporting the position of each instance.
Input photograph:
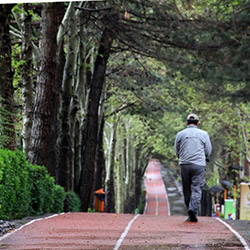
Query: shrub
(141, 205)
(14, 192)
(59, 196)
(74, 202)
(42, 188)
(27, 189)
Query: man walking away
(192, 147)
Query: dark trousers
(192, 183)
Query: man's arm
(208, 146)
(176, 146)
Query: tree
(27, 88)
(91, 131)
(43, 113)
(64, 144)
(111, 140)
(6, 89)
(148, 62)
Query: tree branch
(119, 109)
(93, 10)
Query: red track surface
(153, 230)
(156, 200)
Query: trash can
(99, 200)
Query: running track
(155, 229)
(156, 200)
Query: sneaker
(192, 216)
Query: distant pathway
(154, 230)
(156, 199)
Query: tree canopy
(108, 84)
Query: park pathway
(156, 198)
(155, 229)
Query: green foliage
(45, 195)
(59, 196)
(3, 127)
(16, 63)
(213, 179)
(14, 190)
(74, 202)
(140, 208)
(27, 189)
(91, 210)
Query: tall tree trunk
(77, 155)
(27, 89)
(121, 171)
(130, 172)
(138, 175)
(100, 160)
(91, 132)
(119, 182)
(55, 102)
(109, 183)
(124, 168)
(64, 140)
(6, 80)
(80, 98)
(42, 112)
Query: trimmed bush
(27, 189)
(43, 191)
(58, 199)
(14, 190)
(74, 202)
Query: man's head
(192, 119)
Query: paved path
(156, 200)
(153, 230)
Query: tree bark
(109, 183)
(27, 89)
(43, 115)
(100, 160)
(91, 132)
(81, 95)
(64, 143)
(6, 80)
(55, 103)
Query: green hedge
(27, 189)
(74, 202)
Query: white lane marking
(166, 195)
(16, 230)
(124, 234)
(235, 233)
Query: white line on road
(235, 233)
(44, 218)
(124, 234)
(156, 201)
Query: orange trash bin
(99, 200)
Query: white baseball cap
(192, 117)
